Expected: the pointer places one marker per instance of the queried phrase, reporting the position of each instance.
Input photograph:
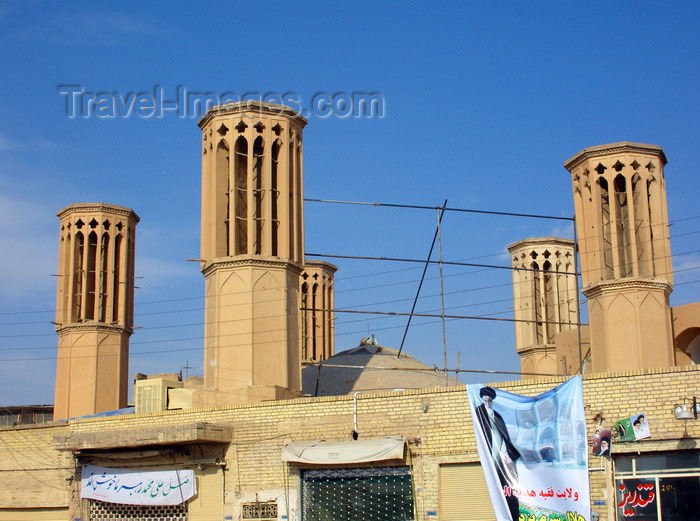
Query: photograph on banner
(534, 451)
(633, 428)
(134, 487)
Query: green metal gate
(357, 494)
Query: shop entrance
(659, 487)
(357, 494)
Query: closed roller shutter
(34, 514)
(463, 495)
(208, 504)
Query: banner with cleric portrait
(534, 452)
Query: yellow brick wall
(32, 471)
(442, 434)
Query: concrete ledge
(181, 434)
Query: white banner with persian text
(131, 487)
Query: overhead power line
(422, 369)
(444, 262)
(446, 208)
(437, 315)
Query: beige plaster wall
(567, 343)
(92, 370)
(252, 326)
(686, 328)
(630, 325)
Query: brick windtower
(94, 308)
(544, 300)
(252, 252)
(622, 223)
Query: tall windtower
(252, 252)
(544, 300)
(622, 223)
(94, 308)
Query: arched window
(622, 228)
(549, 302)
(90, 285)
(67, 253)
(652, 186)
(297, 247)
(223, 203)
(78, 274)
(104, 275)
(641, 228)
(290, 175)
(259, 216)
(314, 322)
(117, 273)
(537, 297)
(241, 203)
(305, 321)
(606, 230)
(274, 196)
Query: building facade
(236, 454)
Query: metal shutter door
(208, 504)
(357, 494)
(462, 493)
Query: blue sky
(483, 104)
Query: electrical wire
(446, 208)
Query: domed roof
(370, 367)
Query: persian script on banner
(130, 487)
(534, 452)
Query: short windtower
(622, 223)
(94, 308)
(317, 317)
(544, 299)
(252, 252)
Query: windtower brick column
(544, 299)
(317, 318)
(94, 308)
(622, 223)
(252, 252)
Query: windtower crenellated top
(614, 148)
(99, 207)
(249, 107)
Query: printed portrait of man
(503, 452)
(601, 442)
(640, 427)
